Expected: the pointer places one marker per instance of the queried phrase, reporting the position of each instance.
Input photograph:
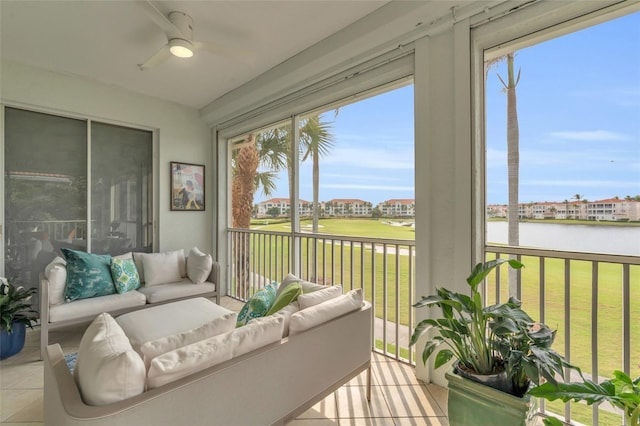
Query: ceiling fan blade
(159, 18)
(241, 55)
(160, 56)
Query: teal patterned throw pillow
(88, 275)
(125, 275)
(258, 305)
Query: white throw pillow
(56, 273)
(198, 265)
(317, 297)
(189, 359)
(307, 287)
(161, 268)
(154, 348)
(257, 333)
(286, 313)
(107, 368)
(326, 311)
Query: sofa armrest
(214, 277)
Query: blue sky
(579, 116)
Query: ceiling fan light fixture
(181, 48)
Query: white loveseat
(267, 385)
(56, 313)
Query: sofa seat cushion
(166, 320)
(325, 311)
(93, 306)
(176, 290)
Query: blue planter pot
(12, 343)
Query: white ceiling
(106, 40)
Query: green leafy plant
(487, 340)
(15, 306)
(621, 392)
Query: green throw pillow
(88, 275)
(288, 295)
(125, 275)
(258, 305)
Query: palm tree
(256, 164)
(268, 150)
(513, 161)
(316, 140)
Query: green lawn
(352, 267)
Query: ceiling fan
(178, 27)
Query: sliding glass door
(48, 161)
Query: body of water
(588, 238)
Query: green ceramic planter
(474, 404)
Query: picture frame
(187, 186)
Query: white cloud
(590, 135)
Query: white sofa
(266, 386)
(56, 314)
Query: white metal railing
(383, 268)
(587, 296)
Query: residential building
(280, 207)
(398, 208)
(353, 207)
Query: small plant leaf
(420, 329)
(442, 358)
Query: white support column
(443, 171)
(423, 188)
(222, 213)
(294, 248)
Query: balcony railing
(383, 268)
(586, 297)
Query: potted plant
(16, 314)
(498, 350)
(621, 392)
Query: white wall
(180, 133)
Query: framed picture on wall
(187, 186)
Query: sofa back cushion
(189, 359)
(307, 287)
(161, 268)
(257, 333)
(311, 299)
(286, 313)
(107, 368)
(138, 258)
(325, 311)
(199, 266)
(154, 348)
(88, 275)
(56, 273)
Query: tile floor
(397, 397)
